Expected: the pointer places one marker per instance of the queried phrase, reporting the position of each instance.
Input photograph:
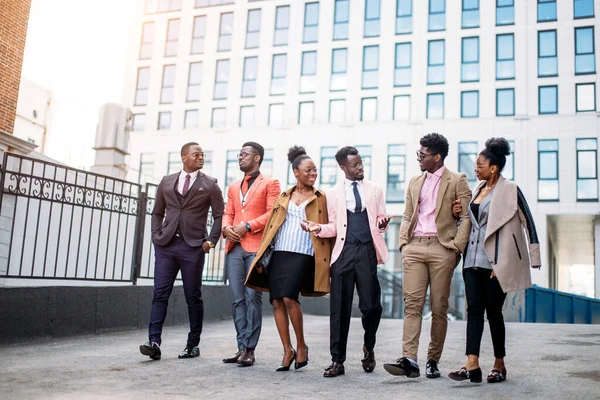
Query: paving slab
(544, 361)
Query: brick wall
(13, 32)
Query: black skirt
(289, 273)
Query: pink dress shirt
(427, 199)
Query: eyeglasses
(196, 155)
(310, 171)
(243, 154)
(421, 155)
(479, 166)
(357, 165)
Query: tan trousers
(425, 262)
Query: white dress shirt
(350, 202)
(181, 182)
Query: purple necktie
(186, 185)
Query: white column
(597, 257)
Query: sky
(77, 49)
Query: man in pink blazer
(357, 218)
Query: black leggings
(484, 294)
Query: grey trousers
(246, 303)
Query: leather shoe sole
(397, 371)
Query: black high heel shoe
(304, 363)
(283, 368)
(462, 374)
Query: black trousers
(357, 264)
(484, 294)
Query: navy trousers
(169, 260)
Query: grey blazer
(475, 254)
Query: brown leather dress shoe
(233, 359)
(334, 370)
(368, 363)
(247, 358)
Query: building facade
(379, 74)
(34, 114)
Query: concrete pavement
(544, 361)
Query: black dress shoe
(247, 358)
(462, 374)
(301, 364)
(283, 368)
(368, 363)
(233, 359)
(190, 352)
(335, 369)
(151, 350)
(431, 369)
(403, 366)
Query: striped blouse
(290, 236)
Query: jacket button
(320, 211)
(342, 239)
(473, 230)
(325, 259)
(472, 242)
(323, 243)
(242, 210)
(270, 226)
(344, 225)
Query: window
(267, 165)
(403, 17)
(548, 170)
(505, 56)
(282, 24)
(587, 169)
(546, 10)
(306, 113)
(585, 62)
(505, 12)
(138, 123)
(146, 168)
(436, 71)
(221, 80)
(547, 54)
(341, 19)
(219, 118)
(402, 65)
(206, 3)
(249, 77)
(141, 88)
(370, 74)
(470, 14)
(194, 81)
(467, 157)
(164, 120)
(339, 66)
(437, 15)
(435, 105)
(168, 84)
(469, 104)
(586, 97)
(311, 23)
(207, 169)
(509, 169)
(147, 38)
(232, 170)
(308, 73)
(372, 18)
(368, 109)
(191, 119)
(469, 71)
(154, 6)
(174, 164)
(505, 102)
(276, 115)
(172, 38)
(337, 111)
(225, 32)
(548, 99)
(278, 74)
(247, 116)
(253, 29)
(198, 35)
(396, 173)
(329, 168)
(365, 155)
(583, 8)
(401, 107)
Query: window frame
(427, 99)
(499, 60)
(247, 80)
(394, 107)
(362, 106)
(362, 86)
(463, 10)
(513, 102)
(430, 14)
(430, 65)
(222, 35)
(401, 179)
(336, 73)
(539, 5)
(212, 118)
(192, 86)
(164, 87)
(337, 23)
(464, 64)
(279, 29)
(172, 41)
(403, 67)
(557, 179)
(471, 155)
(218, 82)
(540, 88)
(400, 17)
(462, 104)
(305, 26)
(577, 168)
(577, 85)
(158, 121)
(368, 20)
(249, 32)
(541, 57)
(327, 153)
(197, 36)
(144, 45)
(593, 52)
(584, 16)
(499, 7)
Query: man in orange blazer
(249, 203)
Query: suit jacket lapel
(503, 206)
(367, 190)
(255, 185)
(195, 186)
(444, 182)
(473, 197)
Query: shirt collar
(437, 174)
(254, 175)
(348, 182)
(193, 175)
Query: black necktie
(358, 207)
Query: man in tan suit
(431, 242)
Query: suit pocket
(517, 246)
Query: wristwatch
(210, 244)
(248, 227)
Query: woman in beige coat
(290, 260)
(498, 257)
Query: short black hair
(436, 144)
(186, 147)
(258, 148)
(496, 150)
(342, 155)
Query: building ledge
(13, 144)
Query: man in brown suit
(431, 241)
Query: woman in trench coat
(290, 260)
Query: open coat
(316, 211)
